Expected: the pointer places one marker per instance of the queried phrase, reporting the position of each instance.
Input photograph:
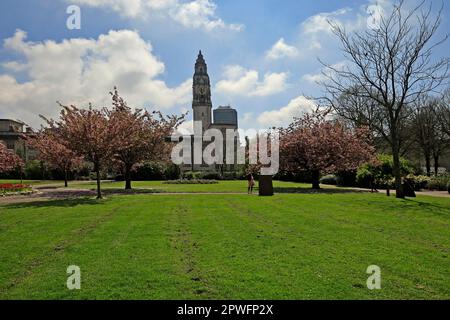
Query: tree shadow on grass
(113, 191)
(426, 205)
(71, 198)
(62, 203)
(299, 190)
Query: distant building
(11, 132)
(225, 117)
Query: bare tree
(392, 66)
(428, 132)
(444, 112)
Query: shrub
(148, 171)
(329, 180)
(35, 170)
(381, 173)
(346, 178)
(211, 176)
(418, 182)
(439, 183)
(301, 176)
(191, 175)
(172, 172)
(230, 176)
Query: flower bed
(14, 188)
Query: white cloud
(321, 22)
(200, 14)
(242, 82)
(323, 74)
(314, 78)
(196, 14)
(285, 115)
(84, 70)
(281, 50)
(186, 128)
(314, 31)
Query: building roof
(15, 121)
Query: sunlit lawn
(33, 182)
(237, 186)
(290, 246)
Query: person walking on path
(251, 183)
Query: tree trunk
(127, 177)
(397, 169)
(99, 191)
(436, 165)
(65, 178)
(315, 176)
(428, 164)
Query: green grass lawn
(33, 182)
(237, 186)
(290, 246)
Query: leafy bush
(148, 171)
(418, 182)
(301, 176)
(329, 180)
(230, 176)
(439, 183)
(381, 173)
(192, 181)
(211, 176)
(346, 178)
(172, 172)
(191, 175)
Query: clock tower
(201, 87)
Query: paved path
(443, 194)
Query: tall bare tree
(444, 112)
(428, 132)
(392, 66)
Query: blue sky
(262, 54)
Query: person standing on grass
(251, 183)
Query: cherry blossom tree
(90, 134)
(322, 146)
(142, 135)
(54, 152)
(9, 160)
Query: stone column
(265, 186)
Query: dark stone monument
(265, 186)
(408, 190)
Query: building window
(10, 145)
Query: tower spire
(201, 89)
